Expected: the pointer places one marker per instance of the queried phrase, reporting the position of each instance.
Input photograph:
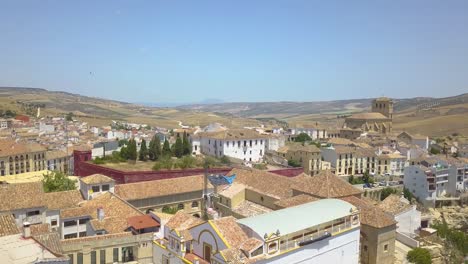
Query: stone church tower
(384, 106)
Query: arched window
(16, 158)
(21, 157)
(194, 204)
(272, 247)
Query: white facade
(408, 221)
(243, 149)
(275, 142)
(314, 133)
(92, 190)
(429, 183)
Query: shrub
(386, 192)
(260, 166)
(293, 163)
(164, 163)
(419, 256)
(434, 151)
(186, 162)
(302, 137)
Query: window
(180, 206)
(385, 247)
(194, 204)
(83, 221)
(102, 256)
(95, 188)
(83, 234)
(165, 260)
(79, 258)
(250, 143)
(33, 213)
(245, 143)
(70, 256)
(105, 187)
(272, 247)
(93, 257)
(115, 254)
(69, 223)
(256, 142)
(70, 236)
(53, 222)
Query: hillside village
(127, 192)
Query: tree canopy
(302, 137)
(178, 148)
(419, 256)
(166, 150)
(143, 155)
(132, 149)
(187, 147)
(57, 182)
(154, 151)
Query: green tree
(434, 151)
(407, 194)
(302, 137)
(154, 148)
(57, 182)
(132, 149)
(166, 150)
(124, 152)
(386, 192)
(178, 148)
(419, 256)
(225, 160)
(186, 162)
(69, 116)
(143, 151)
(187, 147)
(294, 163)
(165, 162)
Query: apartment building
(324, 231)
(342, 158)
(58, 160)
(243, 144)
(307, 155)
(20, 157)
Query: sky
(189, 51)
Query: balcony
(315, 236)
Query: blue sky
(187, 51)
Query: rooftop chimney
(196, 261)
(26, 230)
(100, 213)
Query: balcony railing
(317, 235)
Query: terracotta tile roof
(51, 241)
(62, 200)
(182, 221)
(325, 185)
(251, 244)
(8, 225)
(344, 149)
(11, 147)
(95, 238)
(264, 182)
(116, 212)
(233, 134)
(157, 188)
(21, 196)
(230, 231)
(192, 257)
(39, 229)
(232, 190)
(340, 141)
(55, 154)
(248, 209)
(295, 200)
(365, 152)
(372, 115)
(141, 222)
(96, 179)
(370, 215)
(299, 147)
(395, 204)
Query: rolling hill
(425, 115)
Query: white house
(242, 144)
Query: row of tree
(153, 151)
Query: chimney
(26, 230)
(100, 213)
(196, 261)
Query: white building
(274, 142)
(428, 182)
(406, 215)
(324, 231)
(314, 133)
(242, 144)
